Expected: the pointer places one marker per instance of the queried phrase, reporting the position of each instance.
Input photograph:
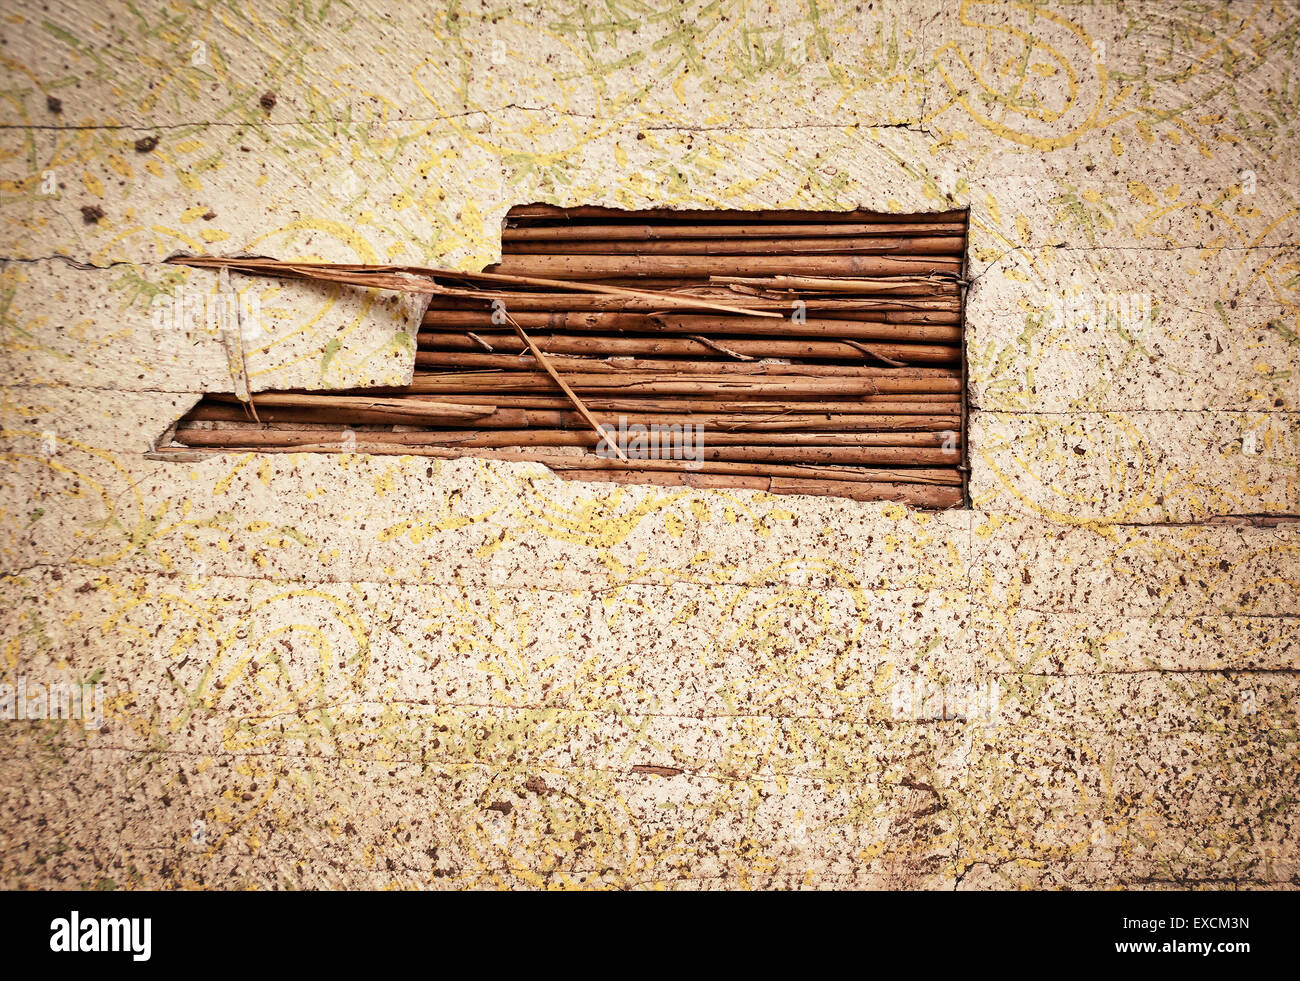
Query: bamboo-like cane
(916, 495)
(607, 345)
(662, 232)
(770, 386)
(919, 297)
(814, 283)
(822, 455)
(437, 361)
(776, 422)
(424, 279)
(595, 267)
(666, 323)
(229, 433)
(421, 409)
(927, 404)
(880, 245)
(556, 213)
(590, 462)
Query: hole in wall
(793, 352)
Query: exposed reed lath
(817, 353)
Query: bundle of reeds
(793, 352)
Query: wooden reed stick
(882, 245)
(240, 433)
(699, 286)
(906, 298)
(822, 455)
(916, 495)
(668, 323)
(556, 213)
(928, 404)
(425, 409)
(821, 284)
(590, 462)
(608, 345)
(668, 383)
(593, 267)
(777, 422)
(472, 360)
(422, 279)
(663, 231)
(545, 362)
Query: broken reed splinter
(672, 441)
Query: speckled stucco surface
(345, 671)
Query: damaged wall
(355, 671)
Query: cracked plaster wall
(352, 671)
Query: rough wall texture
(353, 671)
